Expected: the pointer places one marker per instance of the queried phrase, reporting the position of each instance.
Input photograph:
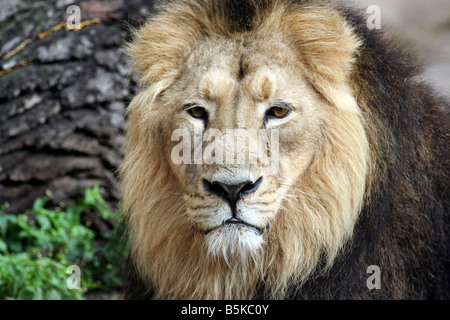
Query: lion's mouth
(234, 220)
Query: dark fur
(404, 225)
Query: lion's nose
(231, 193)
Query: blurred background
(62, 99)
(425, 25)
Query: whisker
(181, 193)
(298, 190)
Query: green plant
(38, 246)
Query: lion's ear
(326, 46)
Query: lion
(361, 145)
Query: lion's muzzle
(231, 193)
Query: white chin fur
(235, 243)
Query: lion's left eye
(277, 112)
(197, 112)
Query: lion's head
(275, 89)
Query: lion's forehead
(221, 84)
(220, 67)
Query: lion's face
(251, 101)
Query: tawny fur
(312, 229)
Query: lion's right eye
(278, 111)
(198, 112)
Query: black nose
(231, 193)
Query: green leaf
(54, 295)
(44, 221)
(38, 295)
(39, 204)
(3, 246)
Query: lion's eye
(277, 112)
(198, 112)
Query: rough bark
(62, 98)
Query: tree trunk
(62, 98)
